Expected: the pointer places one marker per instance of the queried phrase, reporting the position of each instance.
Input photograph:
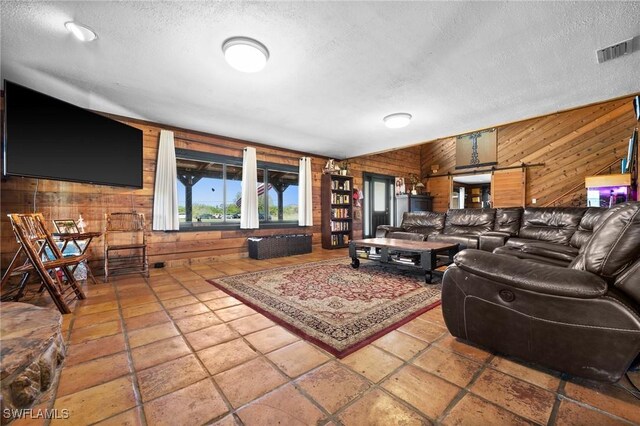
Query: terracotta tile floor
(172, 349)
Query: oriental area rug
(332, 305)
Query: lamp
(245, 54)
(397, 120)
(80, 31)
(420, 187)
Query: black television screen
(47, 138)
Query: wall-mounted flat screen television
(47, 138)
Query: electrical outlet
(534, 200)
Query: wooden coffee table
(421, 255)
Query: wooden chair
(44, 258)
(69, 235)
(125, 233)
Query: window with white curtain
(210, 191)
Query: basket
(279, 246)
(298, 244)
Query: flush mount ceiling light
(82, 32)
(245, 54)
(397, 120)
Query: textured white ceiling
(336, 68)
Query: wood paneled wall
(56, 199)
(398, 163)
(440, 189)
(571, 144)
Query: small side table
(77, 239)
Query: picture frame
(400, 186)
(66, 226)
(477, 149)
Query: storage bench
(279, 245)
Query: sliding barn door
(440, 189)
(508, 188)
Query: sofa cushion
(518, 242)
(586, 226)
(492, 240)
(469, 221)
(508, 220)
(615, 244)
(553, 250)
(553, 224)
(426, 223)
(517, 252)
(465, 241)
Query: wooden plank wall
(440, 189)
(398, 163)
(56, 199)
(571, 144)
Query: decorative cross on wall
(474, 147)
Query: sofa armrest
(492, 240)
(551, 250)
(383, 230)
(530, 276)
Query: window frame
(226, 160)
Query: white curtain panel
(165, 195)
(249, 205)
(305, 206)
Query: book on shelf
(339, 185)
(340, 213)
(339, 240)
(339, 198)
(339, 226)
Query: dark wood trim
(491, 170)
(474, 166)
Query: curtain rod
(241, 149)
(492, 169)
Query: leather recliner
(464, 227)
(547, 231)
(583, 319)
(426, 223)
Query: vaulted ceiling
(335, 68)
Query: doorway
(378, 202)
(471, 191)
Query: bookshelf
(337, 211)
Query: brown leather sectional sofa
(559, 287)
(545, 234)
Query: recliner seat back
(508, 220)
(614, 246)
(426, 223)
(585, 228)
(552, 224)
(469, 221)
